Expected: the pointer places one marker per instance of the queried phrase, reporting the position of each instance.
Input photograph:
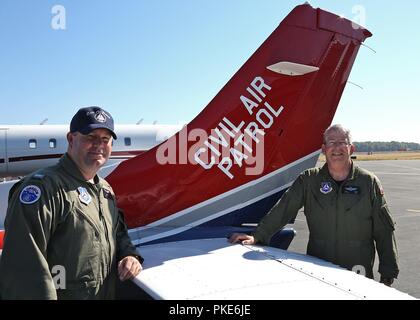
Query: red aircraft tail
(268, 118)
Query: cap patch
(30, 194)
(100, 116)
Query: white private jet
(27, 148)
(225, 169)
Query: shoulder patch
(381, 191)
(30, 194)
(379, 185)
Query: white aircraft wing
(215, 269)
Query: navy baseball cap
(90, 118)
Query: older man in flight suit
(64, 219)
(345, 210)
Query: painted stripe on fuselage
(114, 155)
(225, 203)
(37, 157)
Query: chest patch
(351, 190)
(84, 195)
(30, 194)
(107, 194)
(326, 187)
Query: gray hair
(338, 128)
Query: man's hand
(244, 238)
(387, 281)
(128, 268)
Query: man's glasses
(337, 143)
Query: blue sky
(165, 60)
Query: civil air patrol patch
(84, 195)
(100, 116)
(351, 190)
(326, 187)
(30, 194)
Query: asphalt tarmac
(401, 183)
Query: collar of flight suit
(67, 163)
(325, 173)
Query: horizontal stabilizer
(292, 69)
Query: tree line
(375, 146)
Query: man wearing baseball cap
(91, 118)
(65, 237)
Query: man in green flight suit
(345, 210)
(65, 238)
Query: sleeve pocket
(386, 217)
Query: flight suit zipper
(337, 212)
(105, 227)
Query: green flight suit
(72, 225)
(345, 222)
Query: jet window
(32, 143)
(127, 141)
(53, 143)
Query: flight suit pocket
(96, 231)
(351, 201)
(355, 243)
(78, 290)
(89, 254)
(386, 217)
(320, 203)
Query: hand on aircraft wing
(128, 268)
(387, 281)
(244, 238)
